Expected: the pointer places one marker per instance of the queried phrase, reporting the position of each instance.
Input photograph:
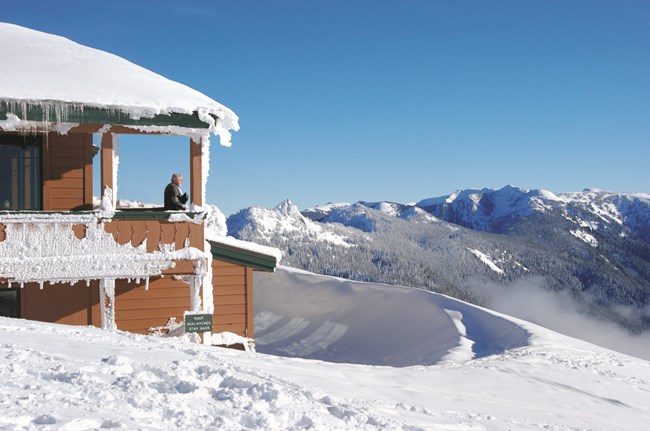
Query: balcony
(75, 246)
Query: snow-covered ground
(468, 369)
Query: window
(9, 302)
(20, 172)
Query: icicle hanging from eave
(54, 116)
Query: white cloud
(528, 299)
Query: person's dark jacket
(174, 200)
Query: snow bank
(82, 378)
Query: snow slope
(80, 378)
(317, 317)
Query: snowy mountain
(499, 210)
(285, 219)
(591, 248)
(470, 369)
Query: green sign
(198, 323)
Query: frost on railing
(73, 247)
(66, 248)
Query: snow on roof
(270, 252)
(38, 67)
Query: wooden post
(207, 296)
(196, 293)
(108, 179)
(250, 310)
(107, 303)
(88, 170)
(45, 171)
(196, 172)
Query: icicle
(40, 284)
(146, 283)
(87, 283)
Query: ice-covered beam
(107, 303)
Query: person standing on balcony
(174, 198)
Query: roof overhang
(73, 113)
(50, 83)
(241, 256)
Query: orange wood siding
(60, 303)
(67, 172)
(156, 232)
(232, 291)
(138, 309)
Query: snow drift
(300, 314)
(82, 378)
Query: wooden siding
(67, 172)
(76, 304)
(232, 291)
(156, 232)
(138, 309)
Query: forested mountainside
(592, 246)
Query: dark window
(9, 302)
(20, 172)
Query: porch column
(195, 292)
(107, 303)
(108, 168)
(196, 172)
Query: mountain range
(591, 248)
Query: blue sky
(384, 100)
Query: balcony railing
(70, 246)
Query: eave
(238, 256)
(48, 111)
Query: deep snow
(82, 378)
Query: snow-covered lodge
(63, 260)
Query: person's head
(177, 179)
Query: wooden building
(61, 260)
